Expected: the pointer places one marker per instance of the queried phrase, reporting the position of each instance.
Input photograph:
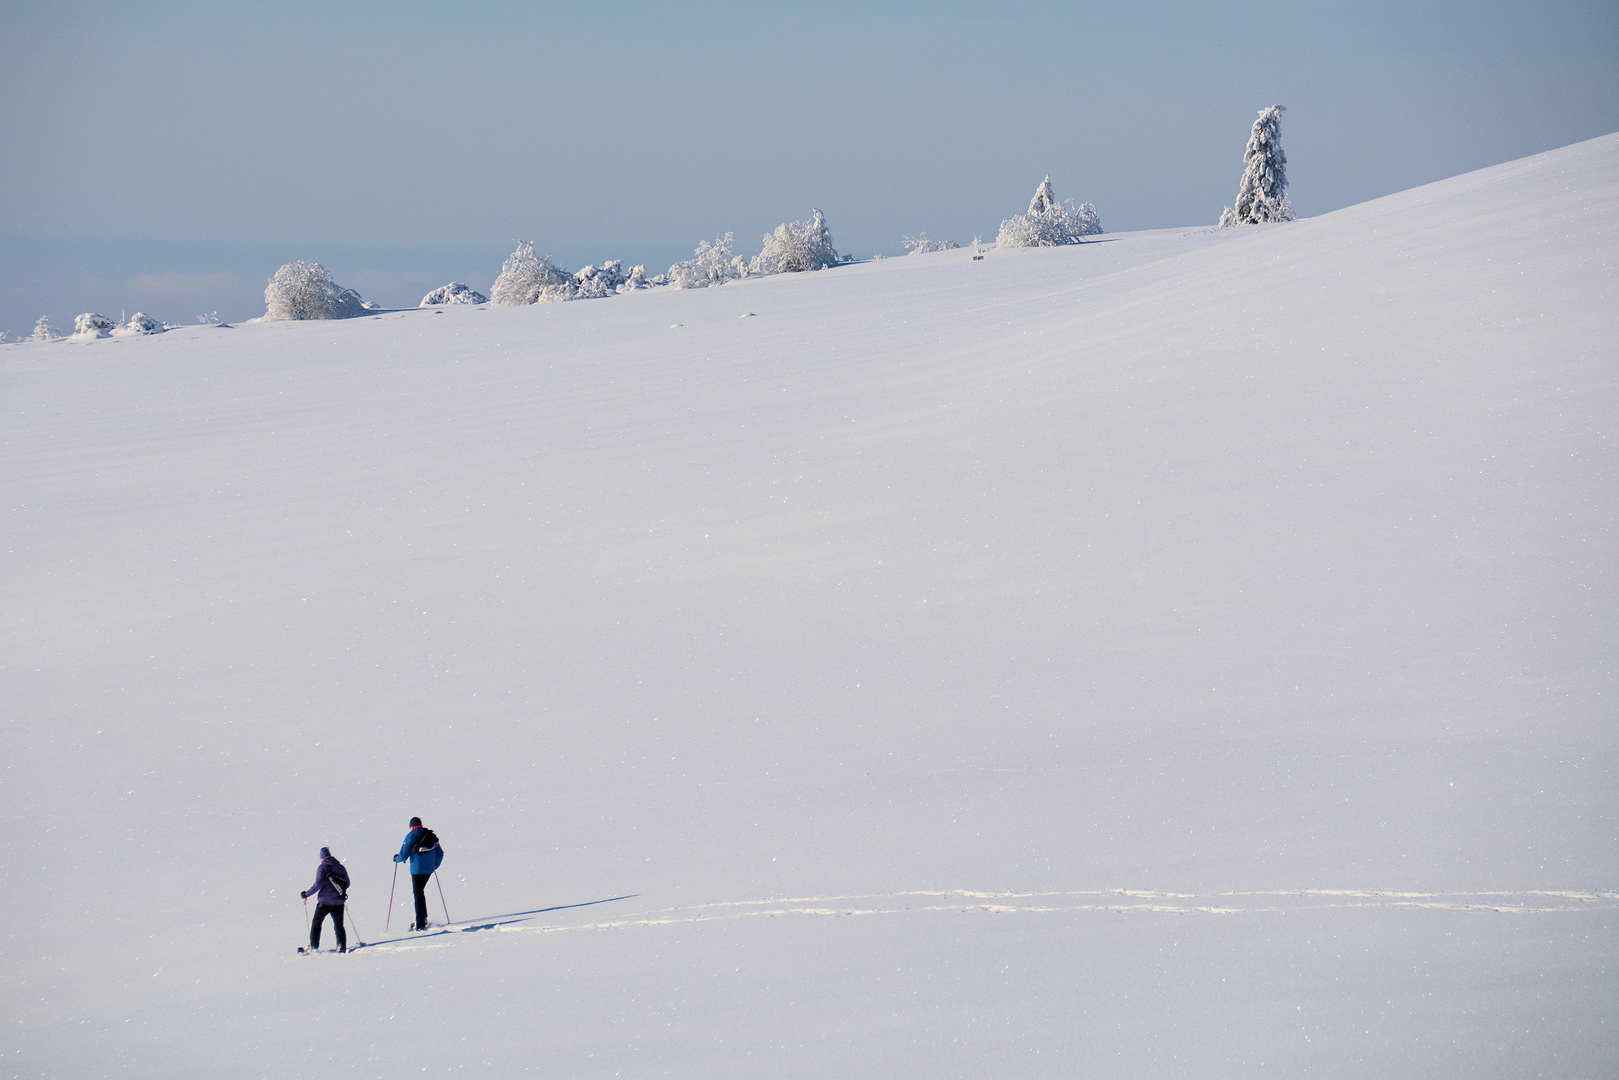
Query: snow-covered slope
(1188, 653)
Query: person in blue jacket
(421, 849)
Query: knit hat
(326, 853)
(415, 821)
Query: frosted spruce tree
(1262, 195)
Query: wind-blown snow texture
(1185, 653)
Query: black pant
(336, 912)
(418, 883)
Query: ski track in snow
(1115, 901)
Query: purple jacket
(324, 890)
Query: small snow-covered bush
(140, 324)
(922, 244)
(526, 278)
(637, 279)
(795, 247)
(593, 282)
(1262, 194)
(713, 264)
(304, 290)
(90, 325)
(1049, 223)
(44, 331)
(453, 293)
(530, 279)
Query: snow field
(1099, 643)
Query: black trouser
(418, 883)
(336, 912)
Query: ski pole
(353, 925)
(306, 915)
(390, 918)
(441, 903)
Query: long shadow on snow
(492, 922)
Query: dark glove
(303, 896)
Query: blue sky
(170, 156)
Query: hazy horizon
(170, 157)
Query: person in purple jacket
(331, 890)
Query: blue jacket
(421, 862)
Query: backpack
(338, 878)
(426, 840)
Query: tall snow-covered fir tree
(1262, 195)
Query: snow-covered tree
(1044, 198)
(797, 246)
(529, 279)
(923, 244)
(637, 279)
(44, 331)
(453, 293)
(1262, 195)
(713, 264)
(304, 290)
(1049, 223)
(90, 325)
